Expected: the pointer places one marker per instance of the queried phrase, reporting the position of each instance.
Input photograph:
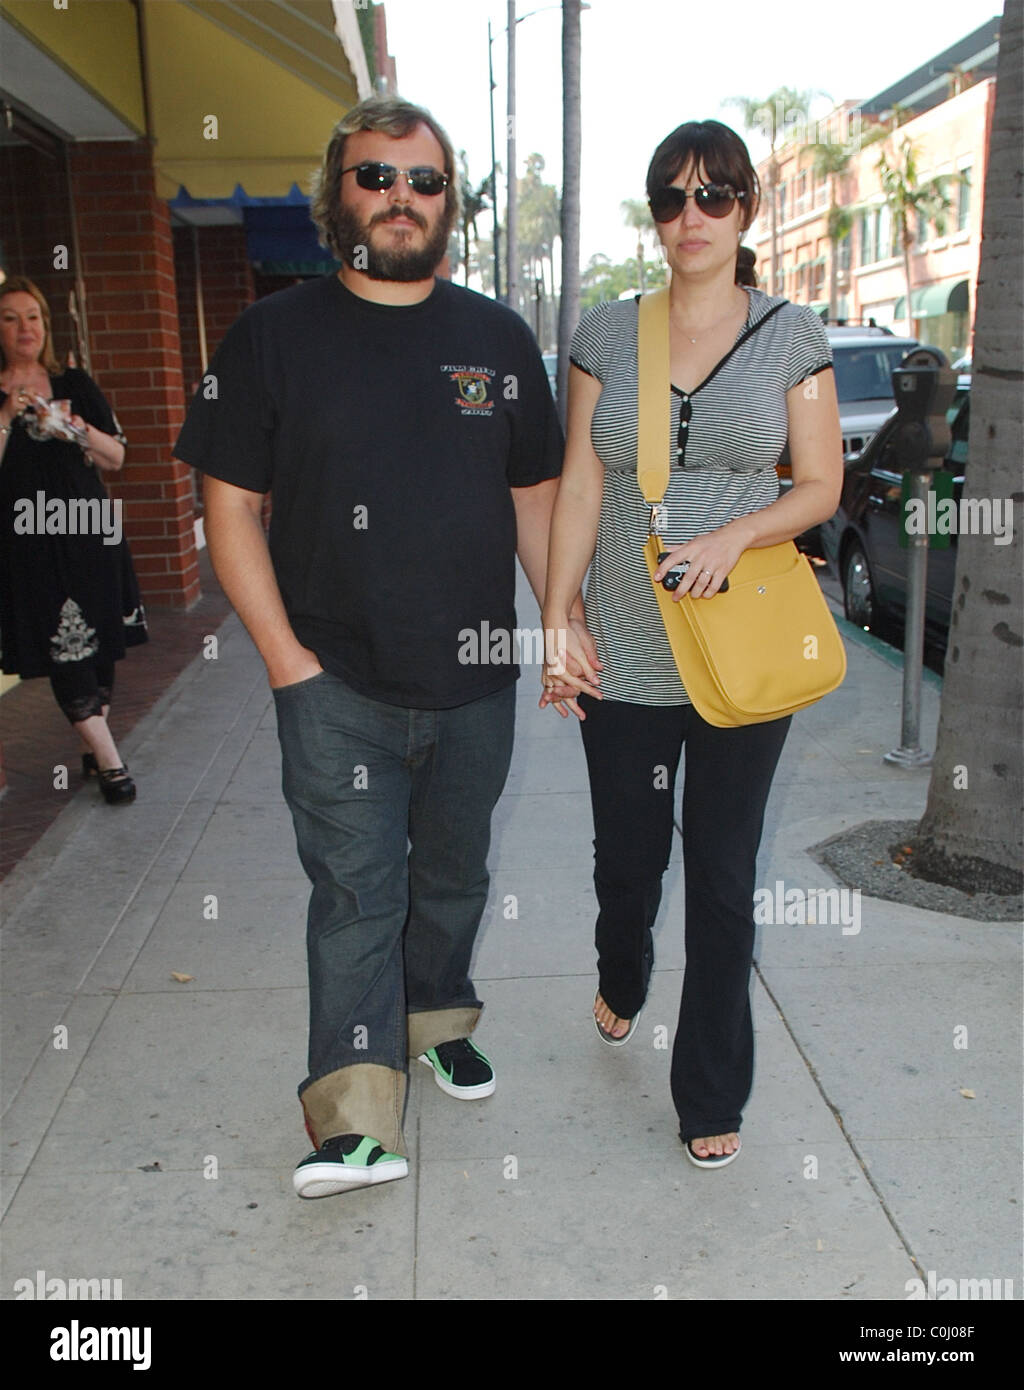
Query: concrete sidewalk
(153, 1142)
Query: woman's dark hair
(725, 159)
(745, 263)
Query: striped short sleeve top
(726, 468)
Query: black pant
(82, 688)
(632, 754)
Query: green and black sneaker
(344, 1162)
(460, 1069)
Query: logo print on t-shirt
(473, 389)
(474, 385)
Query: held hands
(709, 560)
(570, 671)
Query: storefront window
(963, 200)
(886, 233)
(944, 216)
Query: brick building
(944, 109)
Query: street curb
(881, 649)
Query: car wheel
(858, 590)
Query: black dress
(64, 598)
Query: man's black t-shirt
(390, 437)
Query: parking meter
(923, 388)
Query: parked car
(861, 541)
(863, 360)
(962, 367)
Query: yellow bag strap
(653, 396)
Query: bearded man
(406, 429)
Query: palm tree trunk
(909, 314)
(569, 306)
(971, 831)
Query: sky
(649, 65)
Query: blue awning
(183, 200)
(279, 233)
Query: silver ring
(705, 571)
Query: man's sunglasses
(716, 199)
(380, 177)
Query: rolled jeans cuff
(365, 1098)
(434, 1026)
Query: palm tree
(637, 215)
(569, 307)
(909, 200)
(483, 261)
(474, 201)
(601, 281)
(772, 116)
(831, 161)
(538, 227)
(971, 831)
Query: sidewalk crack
(847, 1136)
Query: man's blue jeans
(392, 813)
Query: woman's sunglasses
(380, 177)
(716, 199)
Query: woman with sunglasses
(747, 371)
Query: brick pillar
(185, 289)
(128, 267)
(228, 289)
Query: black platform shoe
(116, 785)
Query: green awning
(947, 297)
